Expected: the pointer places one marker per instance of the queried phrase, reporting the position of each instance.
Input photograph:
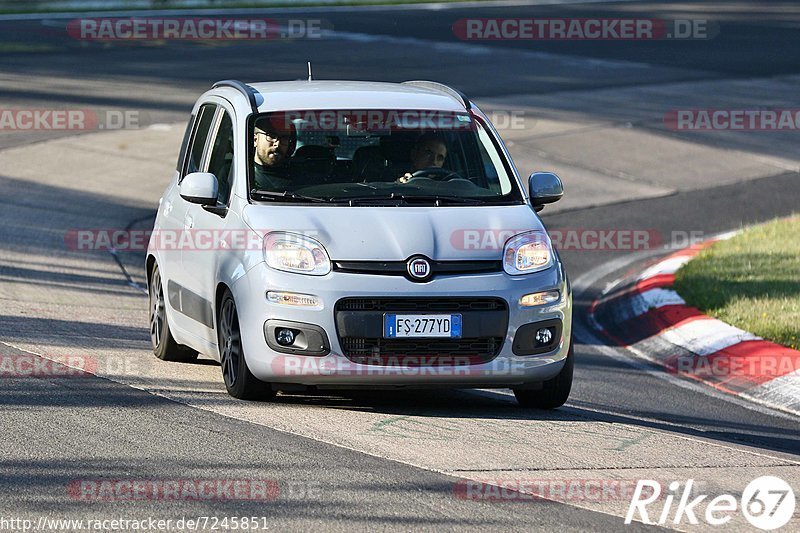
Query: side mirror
(545, 188)
(199, 188)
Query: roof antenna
(309, 72)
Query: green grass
(751, 281)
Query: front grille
(400, 268)
(360, 326)
(421, 352)
(421, 305)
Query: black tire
(239, 381)
(554, 392)
(164, 345)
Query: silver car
(337, 234)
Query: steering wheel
(436, 173)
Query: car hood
(397, 233)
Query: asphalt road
(368, 460)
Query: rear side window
(204, 120)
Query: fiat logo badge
(419, 268)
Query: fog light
(539, 298)
(294, 299)
(284, 336)
(544, 336)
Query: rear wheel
(239, 381)
(554, 392)
(164, 345)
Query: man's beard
(271, 157)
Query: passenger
(274, 140)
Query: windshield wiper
(285, 196)
(439, 199)
(407, 199)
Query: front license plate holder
(422, 326)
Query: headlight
(527, 252)
(291, 252)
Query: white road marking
(668, 266)
(728, 235)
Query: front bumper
(334, 369)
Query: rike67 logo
(768, 502)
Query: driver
(429, 151)
(273, 139)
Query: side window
(185, 143)
(195, 159)
(221, 162)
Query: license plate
(395, 326)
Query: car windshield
(373, 156)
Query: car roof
(332, 94)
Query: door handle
(188, 222)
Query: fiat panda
(342, 234)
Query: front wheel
(239, 381)
(554, 392)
